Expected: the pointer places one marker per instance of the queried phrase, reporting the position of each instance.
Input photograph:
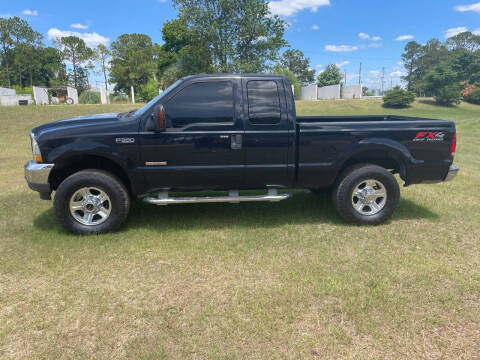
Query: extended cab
(231, 132)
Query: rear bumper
(452, 172)
(36, 176)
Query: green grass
(257, 281)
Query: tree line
(208, 36)
(444, 70)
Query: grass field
(286, 280)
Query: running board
(233, 197)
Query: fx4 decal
(429, 136)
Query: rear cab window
(263, 102)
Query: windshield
(147, 106)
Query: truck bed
(396, 142)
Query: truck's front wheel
(366, 195)
(91, 201)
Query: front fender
(85, 148)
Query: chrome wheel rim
(90, 206)
(369, 197)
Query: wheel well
(71, 165)
(381, 158)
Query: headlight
(37, 155)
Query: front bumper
(37, 178)
(452, 172)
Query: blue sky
(345, 32)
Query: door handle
(236, 141)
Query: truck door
(268, 134)
(203, 144)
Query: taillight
(454, 145)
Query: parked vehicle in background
(232, 132)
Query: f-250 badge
(125, 140)
(429, 136)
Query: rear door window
(263, 102)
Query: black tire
(105, 181)
(343, 192)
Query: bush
(473, 97)
(148, 91)
(449, 95)
(89, 97)
(397, 98)
(119, 98)
(23, 91)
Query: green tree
(133, 61)
(330, 76)
(239, 35)
(183, 53)
(149, 90)
(16, 34)
(102, 56)
(296, 62)
(411, 62)
(6, 44)
(75, 51)
(291, 76)
(442, 82)
(465, 40)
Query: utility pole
(345, 77)
(360, 74)
(383, 80)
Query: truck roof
(267, 76)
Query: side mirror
(160, 124)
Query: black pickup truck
(231, 133)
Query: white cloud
(396, 74)
(341, 48)
(91, 39)
(162, 1)
(364, 36)
(375, 45)
(476, 31)
(290, 7)
(315, 27)
(30, 12)
(473, 7)
(343, 63)
(376, 38)
(319, 66)
(79, 26)
(455, 31)
(404, 37)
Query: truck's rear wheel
(366, 195)
(91, 201)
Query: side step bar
(233, 197)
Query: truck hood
(80, 121)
